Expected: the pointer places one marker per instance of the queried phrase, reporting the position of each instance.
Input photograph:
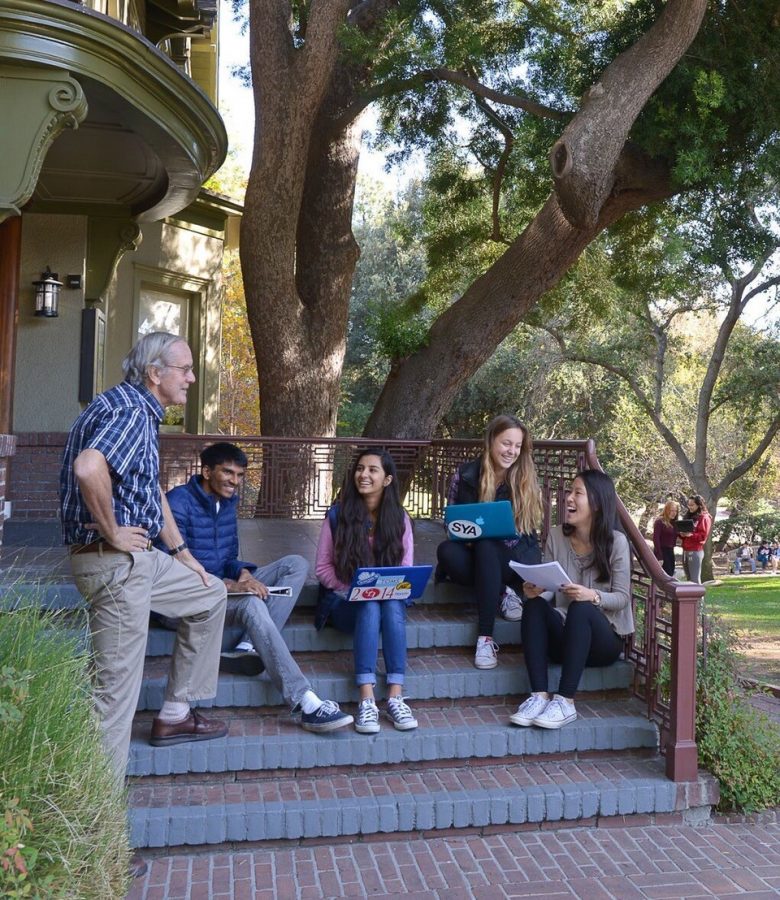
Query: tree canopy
(544, 123)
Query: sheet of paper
(549, 576)
(281, 590)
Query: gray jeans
(289, 571)
(692, 560)
(263, 620)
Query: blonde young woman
(504, 471)
(665, 536)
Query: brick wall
(33, 477)
(7, 449)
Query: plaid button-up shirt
(122, 424)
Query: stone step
(427, 626)
(430, 674)
(258, 745)
(61, 593)
(403, 799)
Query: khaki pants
(121, 589)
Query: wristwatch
(597, 599)
(176, 550)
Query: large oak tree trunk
(297, 251)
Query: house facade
(111, 129)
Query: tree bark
(297, 276)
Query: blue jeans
(368, 619)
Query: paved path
(625, 863)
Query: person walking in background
(693, 543)
(504, 471)
(368, 526)
(591, 616)
(665, 536)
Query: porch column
(10, 258)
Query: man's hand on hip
(130, 538)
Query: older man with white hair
(112, 510)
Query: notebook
(475, 521)
(389, 583)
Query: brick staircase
(465, 768)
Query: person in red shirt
(693, 543)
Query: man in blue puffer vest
(205, 510)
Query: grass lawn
(748, 603)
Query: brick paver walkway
(625, 863)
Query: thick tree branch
(426, 76)
(498, 174)
(749, 461)
(584, 157)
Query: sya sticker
(464, 529)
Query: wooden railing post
(682, 762)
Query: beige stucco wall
(184, 259)
(47, 350)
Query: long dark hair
(602, 500)
(701, 506)
(351, 548)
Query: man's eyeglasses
(185, 369)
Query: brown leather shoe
(137, 867)
(194, 728)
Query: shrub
(737, 743)
(63, 829)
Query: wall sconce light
(47, 294)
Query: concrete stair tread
(401, 799)
(432, 674)
(434, 625)
(271, 741)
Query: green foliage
(62, 815)
(748, 527)
(737, 743)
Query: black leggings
(667, 556)
(585, 639)
(485, 566)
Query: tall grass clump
(63, 825)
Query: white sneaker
(558, 712)
(244, 647)
(511, 606)
(534, 706)
(367, 721)
(400, 714)
(486, 655)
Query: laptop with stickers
(477, 521)
(389, 583)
